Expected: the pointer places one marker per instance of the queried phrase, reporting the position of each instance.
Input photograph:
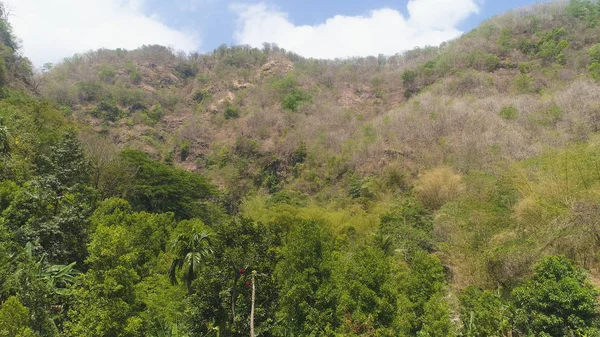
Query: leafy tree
(161, 188)
(66, 167)
(366, 295)
(14, 319)
(51, 210)
(303, 276)
(425, 281)
(105, 300)
(436, 318)
(409, 226)
(557, 301)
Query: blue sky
(322, 29)
(217, 22)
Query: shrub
(437, 186)
(525, 67)
(186, 70)
(89, 91)
(551, 47)
(161, 188)
(184, 149)
(483, 313)
(594, 53)
(595, 71)
(107, 74)
(409, 77)
(294, 99)
(107, 111)
(525, 85)
(299, 155)
(509, 112)
(156, 113)
(135, 77)
(231, 111)
(203, 78)
(199, 96)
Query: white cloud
(383, 31)
(54, 29)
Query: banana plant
(58, 277)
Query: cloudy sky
(54, 29)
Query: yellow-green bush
(437, 186)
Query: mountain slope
(427, 193)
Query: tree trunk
(233, 304)
(252, 307)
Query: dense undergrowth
(447, 191)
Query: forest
(444, 191)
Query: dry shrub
(436, 187)
(528, 213)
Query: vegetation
(446, 191)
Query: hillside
(444, 191)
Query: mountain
(443, 191)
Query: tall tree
(191, 251)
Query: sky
(51, 30)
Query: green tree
(304, 279)
(557, 301)
(160, 188)
(483, 313)
(105, 300)
(367, 296)
(191, 250)
(14, 319)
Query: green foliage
(594, 53)
(186, 70)
(107, 73)
(595, 71)
(291, 97)
(305, 303)
(89, 91)
(367, 296)
(483, 61)
(552, 46)
(382, 253)
(409, 226)
(509, 112)
(231, 111)
(409, 77)
(199, 96)
(436, 318)
(557, 301)
(483, 313)
(524, 84)
(292, 100)
(155, 114)
(586, 10)
(14, 319)
(190, 250)
(135, 76)
(184, 149)
(161, 188)
(107, 111)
